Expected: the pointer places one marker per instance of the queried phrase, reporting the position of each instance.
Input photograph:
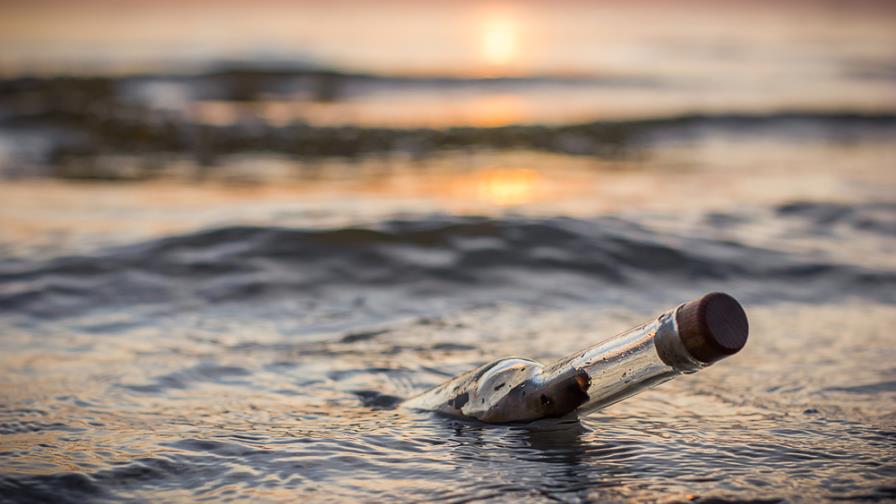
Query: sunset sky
(488, 38)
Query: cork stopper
(712, 327)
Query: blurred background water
(234, 236)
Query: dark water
(403, 263)
(266, 362)
(100, 128)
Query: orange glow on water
(508, 186)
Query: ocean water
(234, 341)
(227, 255)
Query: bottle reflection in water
(680, 341)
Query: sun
(499, 40)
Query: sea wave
(66, 127)
(604, 138)
(511, 258)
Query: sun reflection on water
(507, 186)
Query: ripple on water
(170, 393)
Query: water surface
(263, 358)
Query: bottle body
(628, 363)
(517, 390)
(507, 390)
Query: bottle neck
(669, 346)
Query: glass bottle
(679, 341)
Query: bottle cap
(712, 327)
